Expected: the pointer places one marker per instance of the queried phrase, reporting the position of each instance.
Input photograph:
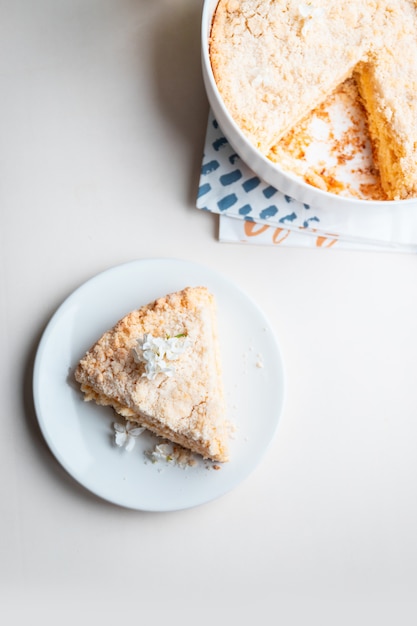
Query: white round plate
(80, 434)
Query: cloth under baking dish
(253, 212)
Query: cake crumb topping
(309, 14)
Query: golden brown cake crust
(274, 61)
(187, 408)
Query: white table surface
(102, 124)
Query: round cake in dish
(276, 61)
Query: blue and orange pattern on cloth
(231, 189)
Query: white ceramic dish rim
(263, 167)
(78, 433)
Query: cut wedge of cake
(160, 367)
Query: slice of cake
(160, 367)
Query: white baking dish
(270, 172)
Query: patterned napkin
(253, 212)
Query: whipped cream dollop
(158, 353)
